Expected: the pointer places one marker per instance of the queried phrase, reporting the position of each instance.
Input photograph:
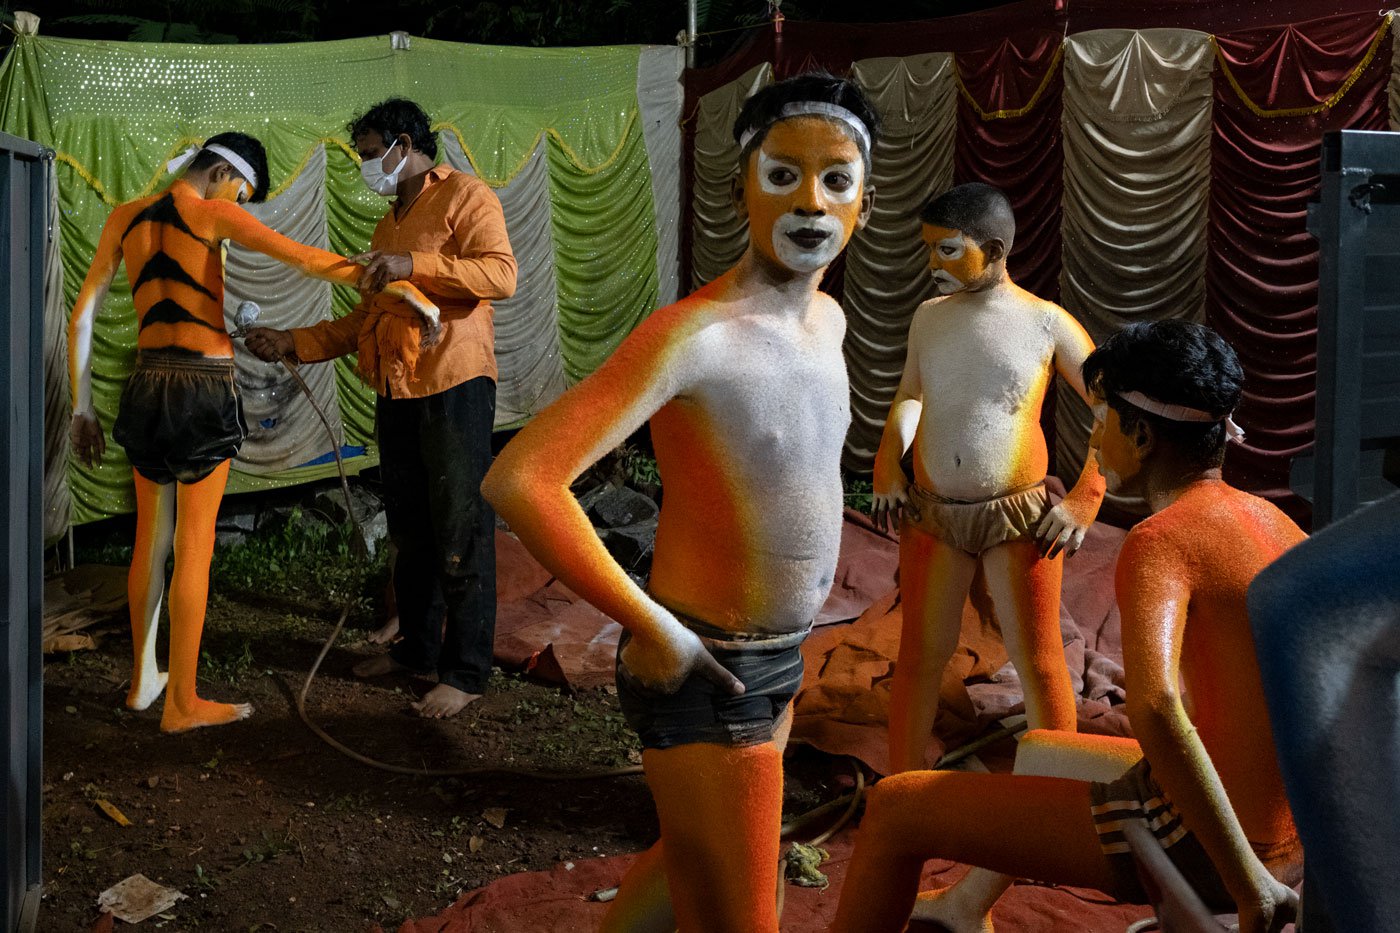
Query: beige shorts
(976, 526)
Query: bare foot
(202, 713)
(378, 666)
(385, 633)
(443, 701)
(142, 695)
(941, 910)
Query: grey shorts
(1136, 795)
(700, 711)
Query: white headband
(818, 108)
(239, 163)
(1181, 413)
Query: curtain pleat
(1137, 110)
(718, 235)
(886, 272)
(283, 428)
(530, 369)
(1277, 90)
(659, 96)
(58, 407)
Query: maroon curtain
(1009, 136)
(1262, 265)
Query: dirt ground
(265, 827)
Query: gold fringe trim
(1308, 111)
(1019, 111)
(287, 182)
(551, 132)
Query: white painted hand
(890, 499)
(663, 664)
(1061, 530)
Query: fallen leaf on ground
(110, 809)
(475, 843)
(496, 816)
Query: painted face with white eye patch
(803, 192)
(954, 260)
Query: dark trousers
(433, 453)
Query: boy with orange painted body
(1203, 772)
(745, 387)
(980, 359)
(180, 418)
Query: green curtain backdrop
(116, 111)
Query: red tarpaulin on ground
(558, 901)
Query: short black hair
(1176, 362)
(247, 147)
(982, 212)
(391, 117)
(762, 109)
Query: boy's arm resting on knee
(1065, 526)
(86, 431)
(529, 486)
(1153, 596)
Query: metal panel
(25, 173)
(1356, 222)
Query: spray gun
(245, 317)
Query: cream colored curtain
(720, 237)
(1137, 120)
(283, 429)
(887, 263)
(660, 98)
(531, 371)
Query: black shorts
(700, 711)
(180, 415)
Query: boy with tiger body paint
(981, 357)
(745, 387)
(180, 418)
(1203, 773)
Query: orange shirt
(456, 233)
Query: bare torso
(1229, 536)
(749, 451)
(985, 361)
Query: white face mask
(380, 181)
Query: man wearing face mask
(436, 401)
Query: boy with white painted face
(981, 357)
(744, 384)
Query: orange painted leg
(197, 508)
(642, 905)
(966, 906)
(720, 810)
(145, 586)
(934, 580)
(1027, 827)
(1025, 590)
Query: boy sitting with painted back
(1203, 773)
(744, 384)
(981, 357)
